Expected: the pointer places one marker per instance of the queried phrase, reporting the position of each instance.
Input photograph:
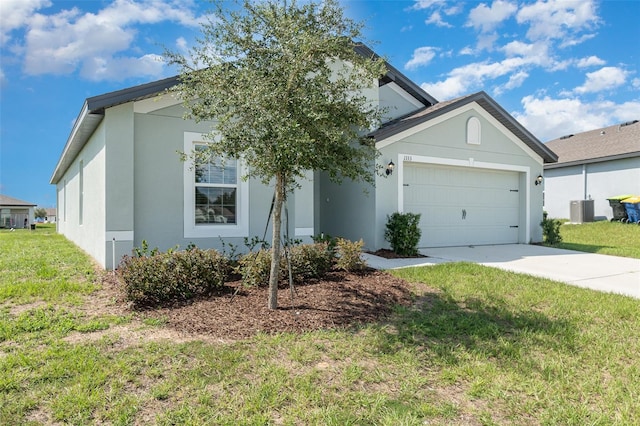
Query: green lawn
(612, 238)
(481, 346)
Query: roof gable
(481, 98)
(617, 141)
(14, 202)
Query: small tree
(286, 90)
(40, 213)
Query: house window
(216, 186)
(216, 199)
(64, 201)
(81, 193)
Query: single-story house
(15, 213)
(51, 215)
(593, 165)
(466, 165)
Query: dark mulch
(390, 254)
(340, 300)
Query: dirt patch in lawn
(340, 300)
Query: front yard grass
(480, 346)
(612, 238)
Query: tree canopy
(287, 93)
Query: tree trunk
(275, 243)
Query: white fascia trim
(465, 108)
(241, 228)
(119, 235)
(155, 103)
(402, 158)
(407, 97)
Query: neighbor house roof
(6, 201)
(92, 111)
(608, 143)
(481, 98)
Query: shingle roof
(14, 202)
(481, 98)
(617, 141)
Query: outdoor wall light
(390, 167)
(539, 180)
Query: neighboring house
(596, 165)
(466, 165)
(51, 215)
(15, 213)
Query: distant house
(596, 165)
(51, 215)
(466, 165)
(15, 213)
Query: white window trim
(241, 228)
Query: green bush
(348, 255)
(309, 260)
(172, 276)
(403, 233)
(550, 230)
(254, 268)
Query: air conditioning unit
(581, 211)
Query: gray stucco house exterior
(596, 165)
(466, 165)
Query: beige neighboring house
(15, 213)
(51, 215)
(595, 165)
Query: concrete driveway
(595, 271)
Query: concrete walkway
(610, 274)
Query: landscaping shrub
(254, 268)
(403, 233)
(309, 260)
(348, 255)
(551, 230)
(172, 276)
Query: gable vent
(567, 136)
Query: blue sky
(558, 67)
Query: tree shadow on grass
(449, 330)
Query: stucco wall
(159, 185)
(597, 181)
(88, 234)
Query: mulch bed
(340, 300)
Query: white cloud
(425, 4)
(591, 61)
(16, 14)
(97, 42)
(3, 78)
(436, 19)
(603, 79)
(549, 118)
(558, 19)
(515, 80)
(421, 56)
(117, 69)
(487, 18)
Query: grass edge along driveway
(479, 346)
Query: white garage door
(462, 206)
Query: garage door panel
(462, 206)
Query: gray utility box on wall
(581, 211)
